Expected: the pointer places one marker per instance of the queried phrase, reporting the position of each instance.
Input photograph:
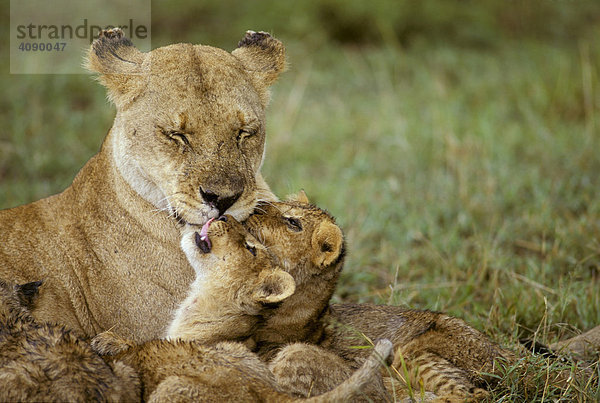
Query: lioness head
(189, 133)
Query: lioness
(236, 283)
(186, 145)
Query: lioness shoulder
(186, 145)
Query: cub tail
(366, 375)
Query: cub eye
(252, 249)
(178, 136)
(293, 223)
(245, 133)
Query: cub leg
(109, 343)
(430, 372)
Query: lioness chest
(101, 267)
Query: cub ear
(119, 64)
(274, 286)
(299, 197)
(263, 56)
(28, 293)
(327, 242)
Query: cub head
(304, 239)
(17, 300)
(233, 268)
(189, 133)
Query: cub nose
(221, 203)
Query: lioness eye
(178, 136)
(252, 249)
(293, 223)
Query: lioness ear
(263, 56)
(274, 287)
(119, 63)
(299, 197)
(327, 242)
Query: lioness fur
(186, 145)
(46, 362)
(236, 281)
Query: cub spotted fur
(432, 345)
(187, 370)
(186, 145)
(308, 244)
(237, 281)
(45, 362)
(442, 354)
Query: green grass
(461, 155)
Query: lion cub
(236, 283)
(309, 245)
(442, 353)
(46, 362)
(236, 280)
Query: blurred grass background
(457, 142)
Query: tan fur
(222, 306)
(310, 246)
(441, 354)
(584, 346)
(111, 239)
(308, 370)
(45, 362)
(189, 371)
(235, 284)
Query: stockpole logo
(52, 37)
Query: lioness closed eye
(186, 145)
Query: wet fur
(46, 362)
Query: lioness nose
(222, 203)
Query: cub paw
(109, 343)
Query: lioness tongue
(204, 232)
